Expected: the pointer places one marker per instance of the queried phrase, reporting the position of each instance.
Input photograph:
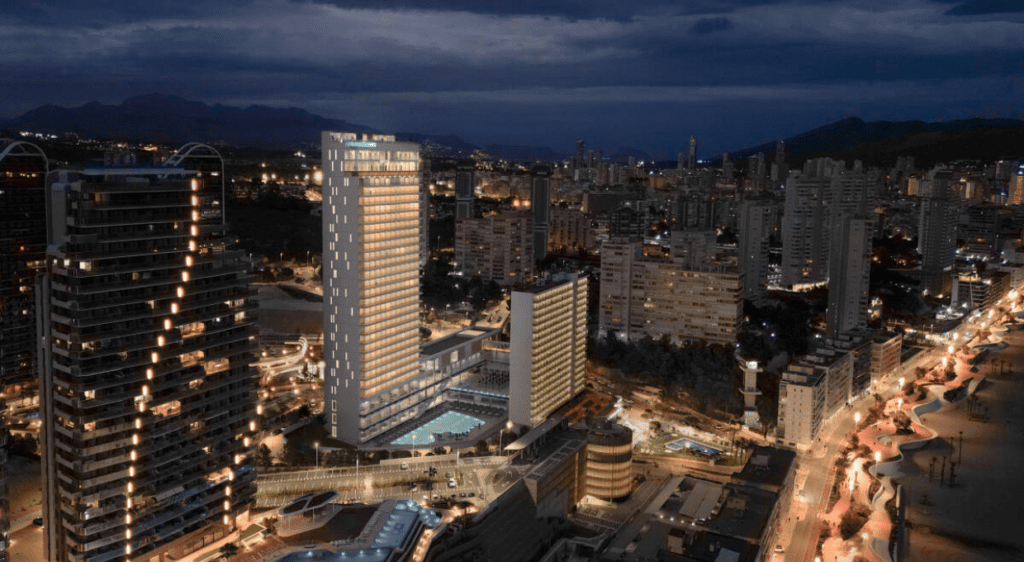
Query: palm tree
(229, 551)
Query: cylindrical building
(609, 462)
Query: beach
(978, 518)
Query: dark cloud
(984, 7)
(522, 72)
(711, 25)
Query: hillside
(881, 142)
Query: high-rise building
(540, 207)
(656, 296)
(464, 195)
(371, 284)
(849, 275)
(815, 198)
(147, 335)
(1017, 188)
(496, 248)
(937, 232)
(757, 223)
(696, 212)
(425, 196)
(727, 168)
(548, 348)
(692, 161)
(23, 168)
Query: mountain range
(171, 119)
(881, 142)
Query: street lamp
(316, 445)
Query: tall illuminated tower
(147, 334)
(371, 285)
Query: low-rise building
(802, 395)
(980, 290)
(886, 350)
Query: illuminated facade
(371, 284)
(609, 462)
(548, 348)
(655, 296)
(147, 329)
(23, 168)
(496, 248)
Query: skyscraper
(692, 162)
(23, 168)
(425, 195)
(937, 232)
(814, 200)
(464, 195)
(849, 275)
(147, 339)
(371, 284)
(757, 222)
(540, 206)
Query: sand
(979, 518)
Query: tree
(263, 456)
(229, 551)
(297, 452)
(482, 447)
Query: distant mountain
(880, 142)
(170, 119)
(440, 146)
(522, 153)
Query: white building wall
(371, 236)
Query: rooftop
(766, 466)
(453, 341)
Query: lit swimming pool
(448, 422)
(693, 445)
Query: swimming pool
(693, 445)
(448, 422)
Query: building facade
(540, 207)
(609, 461)
(371, 284)
(497, 248)
(23, 169)
(655, 296)
(147, 334)
(850, 275)
(802, 396)
(757, 224)
(548, 348)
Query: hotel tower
(371, 285)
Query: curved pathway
(888, 470)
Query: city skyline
(732, 74)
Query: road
(485, 477)
(817, 464)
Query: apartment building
(548, 347)
(650, 295)
(147, 336)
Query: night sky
(637, 74)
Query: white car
(405, 466)
(451, 483)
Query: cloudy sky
(644, 74)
